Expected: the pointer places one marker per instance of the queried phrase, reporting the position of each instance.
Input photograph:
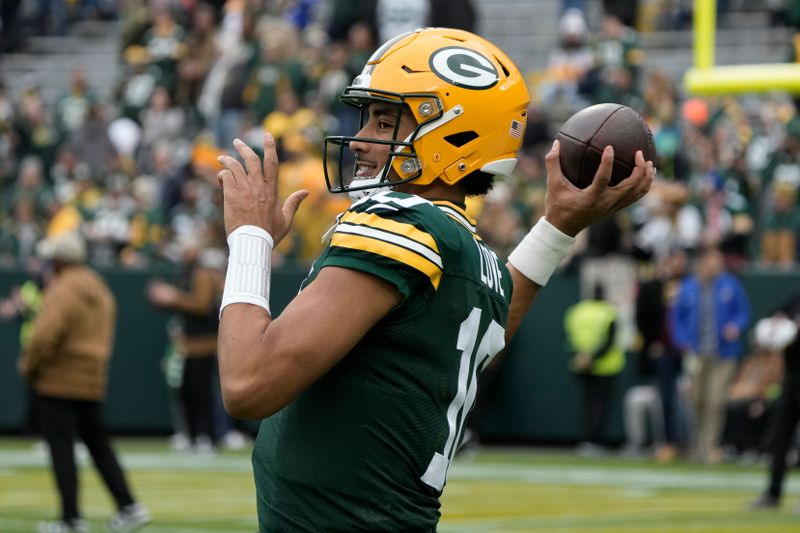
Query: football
(584, 136)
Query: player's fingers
(637, 184)
(649, 176)
(233, 166)
(639, 169)
(638, 159)
(292, 203)
(251, 160)
(270, 171)
(226, 178)
(552, 162)
(603, 175)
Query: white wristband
(248, 276)
(541, 251)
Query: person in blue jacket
(708, 320)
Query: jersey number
(475, 356)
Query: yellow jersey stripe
(458, 209)
(458, 216)
(387, 236)
(391, 251)
(400, 228)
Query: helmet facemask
(340, 166)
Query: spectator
(146, 227)
(109, 228)
(618, 56)
(361, 45)
(93, 146)
(780, 167)
(137, 81)
(659, 358)
(332, 81)
(73, 107)
(162, 123)
(201, 52)
(597, 358)
(345, 14)
(196, 301)
(31, 185)
(276, 68)
(19, 235)
(782, 222)
(7, 120)
(34, 130)
(165, 46)
(708, 319)
(222, 100)
(299, 169)
(22, 305)
(66, 364)
(606, 261)
(642, 410)
(289, 115)
(666, 220)
(568, 63)
(67, 170)
(395, 17)
(751, 403)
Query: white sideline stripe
(732, 523)
(612, 475)
(26, 525)
(146, 461)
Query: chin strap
(363, 193)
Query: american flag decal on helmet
(516, 129)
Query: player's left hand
(251, 191)
(161, 294)
(571, 209)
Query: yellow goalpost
(706, 78)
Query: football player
(367, 376)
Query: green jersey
(368, 446)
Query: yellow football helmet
(469, 100)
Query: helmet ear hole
(502, 66)
(460, 139)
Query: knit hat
(65, 247)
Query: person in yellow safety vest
(30, 297)
(23, 304)
(597, 359)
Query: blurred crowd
(136, 174)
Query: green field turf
(497, 490)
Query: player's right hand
(571, 209)
(251, 191)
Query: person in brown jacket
(66, 365)
(196, 300)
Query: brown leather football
(584, 136)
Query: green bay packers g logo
(463, 67)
